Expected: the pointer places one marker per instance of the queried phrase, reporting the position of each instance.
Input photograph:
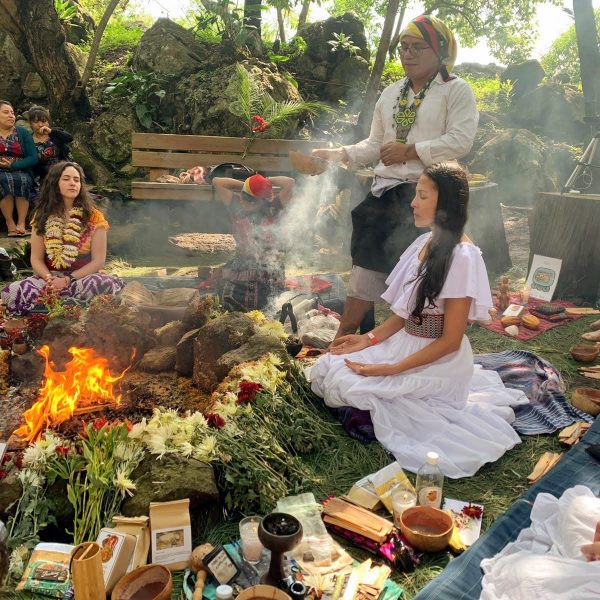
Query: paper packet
(385, 479)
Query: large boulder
(171, 478)
(159, 360)
(184, 363)
(33, 86)
(215, 339)
(13, 69)
(553, 110)
(524, 76)
(523, 164)
(169, 50)
(330, 73)
(254, 348)
(111, 133)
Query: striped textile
(548, 409)
(15, 183)
(461, 580)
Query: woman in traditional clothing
(17, 157)
(68, 244)
(257, 271)
(415, 371)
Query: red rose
(19, 460)
(3, 474)
(247, 391)
(100, 423)
(215, 420)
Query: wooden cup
(86, 572)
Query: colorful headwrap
(438, 35)
(258, 187)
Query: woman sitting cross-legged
(68, 244)
(414, 373)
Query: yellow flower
(124, 484)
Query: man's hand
(347, 344)
(326, 156)
(397, 153)
(377, 370)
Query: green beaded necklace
(404, 115)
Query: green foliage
(97, 7)
(65, 10)
(393, 71)
(252, 100)
(562, 59)
(221, 20)
(343, 43)
(491, 94)
(144, 92)
(121, 34)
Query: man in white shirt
(427, 117)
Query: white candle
(401, 500)
(251, 546)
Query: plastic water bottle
(430, 482)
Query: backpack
(232, 170)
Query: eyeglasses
(416, 51)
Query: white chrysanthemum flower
(207, 447)
(138, 430)
(157, 443)
(186, 449)
(30, 478)
(124, 484)
(34, 456)
(198, 420)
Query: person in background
(415, 371)
(17, 157)
(427, 117)
(51, 143)
(68, 245)
(257, 271)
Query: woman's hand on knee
(58, 282)
(347, 344)
(376, 370)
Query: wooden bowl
(426, 528)
(306, 163)
(584, 352)
(587, 399)
(151, 582)
(263, 592)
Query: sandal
(23, 232)
(13, 233)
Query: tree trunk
(303, 14)
(281, 25)
(36, 30)
(366, 114)
(397, 31)
(89, 65)
(253, 16)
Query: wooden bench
(161, 153)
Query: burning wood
(85, 385)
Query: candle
(402, 498)
(251, 546)
(525, 295)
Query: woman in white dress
(415, 372)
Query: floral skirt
(21, 296)
(15, 183)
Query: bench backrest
(161, 152)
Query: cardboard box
(139, 528)
(116, 550)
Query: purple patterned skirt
(21, 296)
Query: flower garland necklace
(62, 238)
(404, 115)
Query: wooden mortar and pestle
(197, 565)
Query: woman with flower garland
(68, 244)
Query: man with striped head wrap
(429, 116)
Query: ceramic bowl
(151, 582)
(584, 352)
(426, 528)
(263, 592)
(587, 399)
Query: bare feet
(595, 325)
(592, 336)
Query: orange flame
(86, 382)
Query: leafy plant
(223, 20)
(491, 94)
(143, 91)
(343, 43)
(66, 11)
(262, 113)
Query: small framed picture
(221, 565)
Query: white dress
(461, 412)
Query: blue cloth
(461, 580)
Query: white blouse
(467, 278)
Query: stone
(79, 56)
(184, 363)
(158, 360)
(554, 110)
(171, 478)
(111, 133)
(169, 334)
(13, 69)
(27, 368)
(169, 50)
(10, 491)
(255, 347)
(60, 334)
(198, 311)
(216, 338)
(347, 78)
(525, 76)
(33, 86)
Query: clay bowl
(426, 528)
(263, 592)
(587, 399)
(306, 163)
(584, 352)
(151, 582)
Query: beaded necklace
(404, 115)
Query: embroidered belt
(431, 326)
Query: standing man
(427, 117)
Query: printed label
(171, 545)
(430, 496)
